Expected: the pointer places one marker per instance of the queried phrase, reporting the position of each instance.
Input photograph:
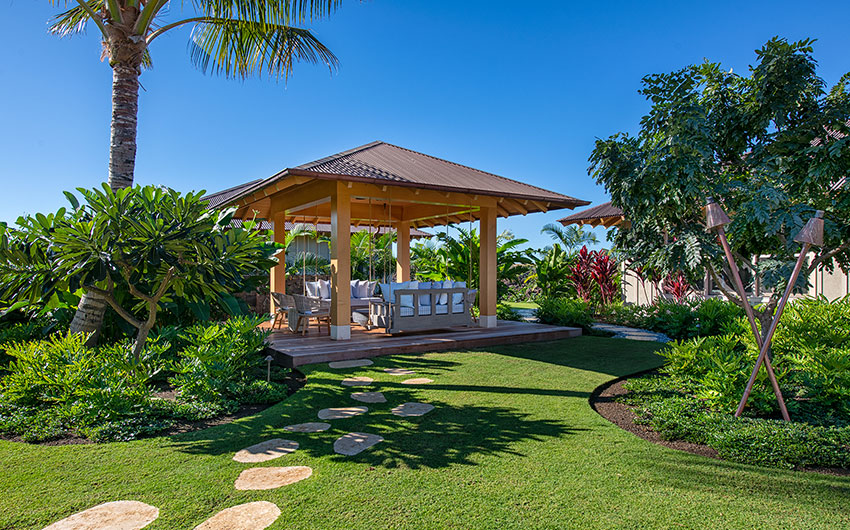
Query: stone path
(623, 332)
(357, 381)
(340, 413)
(267, 478)
(315, 426)
(399, 371)
(417, 381)
(249, 516)
(369, 397)
(134, 515)
(412, 409)
(116, 515)
(355, 443)
(264, 451)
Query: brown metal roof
(380, 161)
(605, 214)
(325, 228)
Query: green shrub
(506, 312)
(678, 321)
(570, 312)
(678, 416)
(219, 357)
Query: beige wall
(832, 285)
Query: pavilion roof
(386, 164)
(605, 214)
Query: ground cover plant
(677, 320)
(57, 387)
(512, 443)
(705, 376)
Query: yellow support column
(487, 269)
(340, 263)
(277, 275)
(403, 250)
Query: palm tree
(572, 237)
(237, 38)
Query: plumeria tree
(134, 247)
(772, 145)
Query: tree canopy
(771, 145)
(135, 247)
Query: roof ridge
(339, 155)
(243, 185)
(478, 170)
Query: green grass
(512, 443)
(522, 305)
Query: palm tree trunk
(89, 317)
(122, 162)
(125, 109)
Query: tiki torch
(811, 234)
(717, 219)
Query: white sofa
(413, 306)
(362, 292)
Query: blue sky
(517, 89)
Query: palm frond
(239, 48)
(73, 20)
(281, 13)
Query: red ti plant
(604, 271)
(581, 274)
(677, 286)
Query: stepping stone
(412, 409)
(267, 478)
(351, 364)
(369, 397)
(116, 515)
(249, 516)
(340, 413)
(417, 381)
(263, 451)
(399, 371)
(355, 442)
(357, 381)
(313, 426)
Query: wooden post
(277, 280)
(402, 273)
(487, 269)
(340, 262)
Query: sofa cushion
(425, 299)
(313, 289)
(444, 298)
(365, 289)
(457, 298)
(353, 289)
(324, 289)
(386, 291)
(407, 299)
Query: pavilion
(385, 186)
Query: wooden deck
(293, 350)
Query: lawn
(522, 305)
(512, 443)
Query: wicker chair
(307, 308)
(284, 303)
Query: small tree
(148, 242)
(771, 145)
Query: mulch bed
(295, 380)
(603, 401)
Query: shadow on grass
(615, 357)
(448, 435)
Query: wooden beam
(302, 197)
(487, 269)
(403, 251)
(277, 275)
(340, 262)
